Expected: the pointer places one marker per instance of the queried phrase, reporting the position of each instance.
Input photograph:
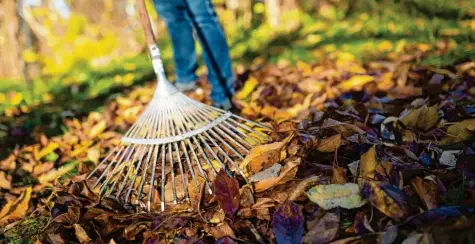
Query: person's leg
(215, 50)
(173, 12)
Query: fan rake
(175, 138)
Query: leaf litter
(360, 153)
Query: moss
(25, 231)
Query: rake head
(175, 140)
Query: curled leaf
(262, 156)
(330, 144)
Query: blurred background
(61, 57)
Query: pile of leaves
(360, 153)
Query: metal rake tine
(258, 134)
(131, 167)
(200, 149)
(144, 173)
(221, 139)
(180, 166)
(106, 170)
(119, 174)
(181, 129)
(163, 179)
(102, 162)
(190, 144)
(227, 135)
(170, 153)
(110, 174)
(240, 132)
(193, 119)
(134, 177)
(138, 124)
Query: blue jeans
(180, 26)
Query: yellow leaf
(423, 47)
(46, 150)
(336, 195)
(423, 118)
(29, 56)
(93, 155)
(6, 208)
(262, 156)
(3, 98)
(330, 144)
(81, 234)
(16, 98)
(356, 81)
(249, 86)
(54, 174)
(20, 209)
(385, 46)
(459, 132)
(368, 163)
(97, 129)
(304, 67)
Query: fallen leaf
(423, 118)
(54, 174)
(221, 230)
(287, 224)
(419, 238)
(81, 234)
(449, 158)
(356, 82)
(93, 154)
(249, 86)
(271, 172)
(5, 181)
(460, 131)
(46, 150)
(323, 229)
(387, 198)
(426, 192)
(227, 192)
(368, 163)
(330, 144)
(97, 129)
(286, 174)
(334, 195)
(338, 176)
(20, 209)
(262, 156)
(225, 240)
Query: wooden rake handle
(145, 21)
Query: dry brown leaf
(221, 230)
(368, 163)
(339, 176)
(302, 187)
(262, 156)
(330, 144)
(286, 174)
(5, 181)
(81, 234)
(426, 191)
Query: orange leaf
(330, 144)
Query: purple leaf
(227, 192)
(430, 217)
(287, 224)
(323, 229)
(225, 240)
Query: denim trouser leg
(173, 12)
(180, 27)
(215, 43)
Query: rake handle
(145, 21)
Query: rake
(175, 138)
